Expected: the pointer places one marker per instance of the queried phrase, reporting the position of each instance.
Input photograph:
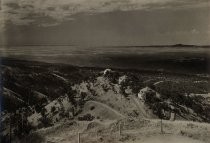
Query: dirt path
(107, 107)
(60, 77)
(167, 139)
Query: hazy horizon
(183, 59)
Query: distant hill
(183, 45)
(175, 45)
(186, 45)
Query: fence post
(78, 137)
(161, 124)
(119, 129)
(96, 133)
(10, 128)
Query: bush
(71, 96)
(92, 107)
(113, 77)
(47, 122)
(53, 109)
(87, 117)
(33, 138)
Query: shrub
(47, 122)
(87, 117)
(33, 138)
(92, 107)
(53, 109)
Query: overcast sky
(105, 22)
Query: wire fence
(117, 130)
(122, 129)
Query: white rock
(106, 71)
(142, 93)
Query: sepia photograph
(104, 71)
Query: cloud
(24, 12)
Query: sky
(104, 22)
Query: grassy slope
(114, 105)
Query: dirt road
(167, 139)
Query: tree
(71, 96)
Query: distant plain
(159, 58)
